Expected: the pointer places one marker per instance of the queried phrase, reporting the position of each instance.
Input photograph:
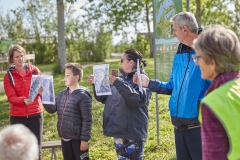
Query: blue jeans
(129, 149)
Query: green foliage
(57, 68)
(1, 75)
(38, 37)
(101, 147)
(103, 45)
(121, 47)
(226, 13)
(4, 114)
(46, 67)
(117, 14)
(124, 44)
(142, 44)
(39, 33)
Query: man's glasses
(123, 60)
(195, 58)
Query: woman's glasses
(195, 58)
(123, 60)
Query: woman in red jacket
(17, 82)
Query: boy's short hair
(76, 69)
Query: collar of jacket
(127, 75)
(80, 88)
(11, 68)
(182, 48)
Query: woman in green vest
(218, 55)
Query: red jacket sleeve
(12, 96)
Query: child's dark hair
(76, 69)
(133, 54)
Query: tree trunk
(198, 12)
(149, 31)
(61, 37)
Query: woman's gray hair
(18, 142)
(221, 45)
(186, 19)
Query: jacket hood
(26, 67)
(80, 89)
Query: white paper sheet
(46, 82)
(35, 85)
(139, 76)
(101, 80)
(48, 90)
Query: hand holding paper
(144, 79)
(91, 79)
(40, 90)
(27, 101)
(112, 79)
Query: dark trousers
(35, 124)
(71, 150)
(188, 144)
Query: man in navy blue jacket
(185, 87)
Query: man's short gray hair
(18, 142)
(186, 19)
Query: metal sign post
(187, 5)
(165, 45)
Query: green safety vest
(224, 102)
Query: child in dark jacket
(74, 109)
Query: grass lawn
(101, 147)
(1, 75)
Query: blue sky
(8, 5)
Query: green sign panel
(165, 44)
(5, 45)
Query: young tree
(142, 45)
(61, 35)
(103, 45)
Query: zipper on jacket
(23, 86)
(24, 93)
(181, 86)
(62, 114)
